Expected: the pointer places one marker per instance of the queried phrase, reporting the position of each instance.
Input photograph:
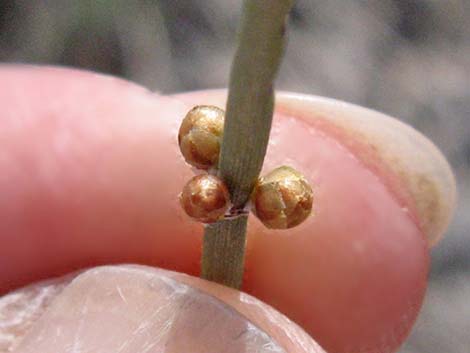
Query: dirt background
(407, 58)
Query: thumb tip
(133, 308)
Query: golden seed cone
(282, 199)
(205, 198)
(200, 136)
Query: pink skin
(90, 173)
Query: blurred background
(407, 58)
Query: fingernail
(138, 309)
(407, 161)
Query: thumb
(130, 309)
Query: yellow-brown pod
(205, 198)
(282, 199)
(200, 136)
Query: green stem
(246, 132)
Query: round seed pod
(205, 198)
(282, 199)
(200, 136)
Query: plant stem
(247, 126)
(224, 251)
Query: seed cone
(282, 199)
(200, 136)
(205, 198)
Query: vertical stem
(246, 131)
(223, 251)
